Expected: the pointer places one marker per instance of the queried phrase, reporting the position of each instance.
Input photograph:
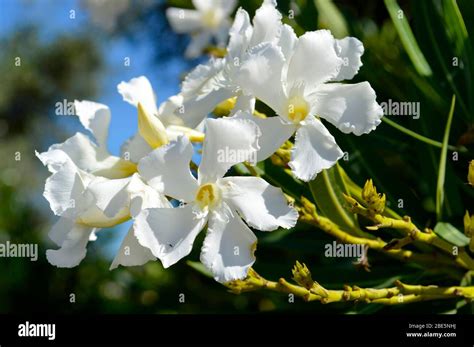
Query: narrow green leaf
(428, 22)
(456, 30)
(451, 234)
(328, 189)
(442, 163)
(199, 267)
(421, 137)
(455, 26)
(407, 38)
(329, 17)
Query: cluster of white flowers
(209, 21)
(297, 77)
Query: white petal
(168, 232)
(227, 6)
(135, 148)
(60, 229)
(167, 169)
(266, 23)
(167, 111)
(184, 21)
(228, 142)
(202, 91)
(89, 157)
(287, 40)
(260, 75)
(221, 33)
(240, 34)
(318, 47)
(175, 131)
(111, 202)
(198, 42)
(228, 249)
(139, 90)
(315, 150)
(109, 205)
(143, 196)
(131, 253)
(204, 5)
(261, 205)
(94, 117)
(53, 159)
(350, 50)
(275, 131)
(197, 109)
(73, 249)
(245, 104)
(203, 78)
(64, 190)
(352, 108)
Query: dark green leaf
(407, 38)
(442, 163)
(328, 189)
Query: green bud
(302, 275)
(470, 174)
(469, 229)
(375, 201)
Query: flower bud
(470, 174)
(151, 128)
(302, 275)
(469, 229)
(375, 201)
(225, 107)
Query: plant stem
(308, 215)
(411, 230)
(401, 293)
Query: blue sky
(53, 18)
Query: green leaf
(451, 234)
(455, 26)
(328, 188)
(331, 18)
(421, 137)
(407, 38)
(442, 162)
(199, 267)
(429, 18)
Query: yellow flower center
(298, 109)
(210, 19)
(208, 195)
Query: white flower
(267, 61)
(91, 189)
(219, 201)
(87, 203)
(292, 79)
(211, 83)
(209, 21)
(157, 125)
